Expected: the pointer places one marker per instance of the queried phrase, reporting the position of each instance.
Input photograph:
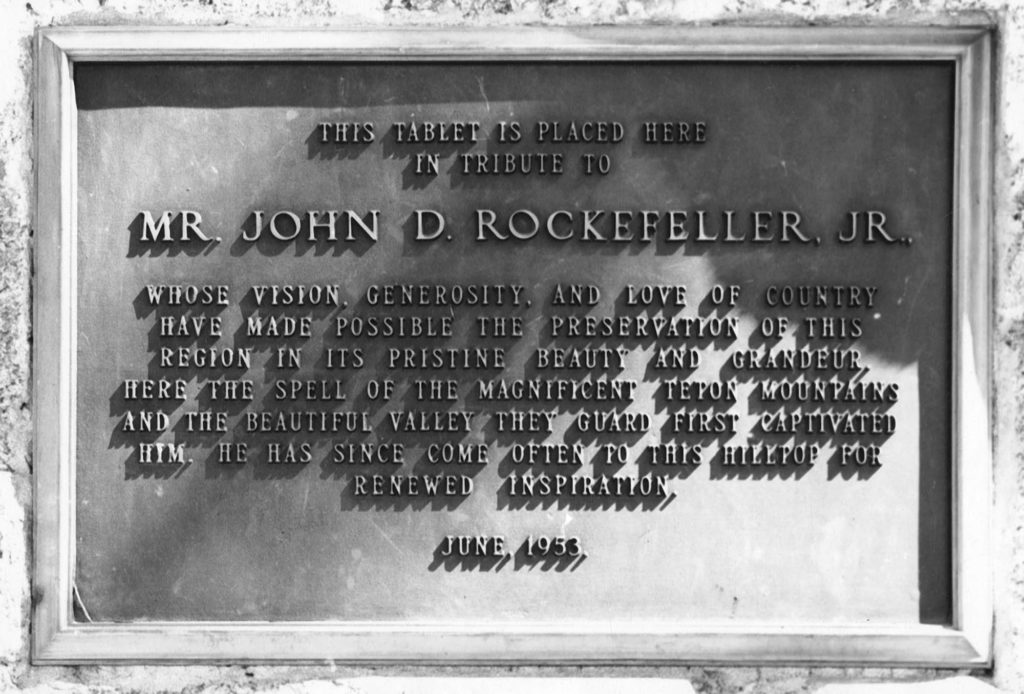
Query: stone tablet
(655, 345)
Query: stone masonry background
(18, 22)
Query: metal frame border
(56, 638)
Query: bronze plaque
(633, 341)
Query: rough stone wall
(18, 21)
